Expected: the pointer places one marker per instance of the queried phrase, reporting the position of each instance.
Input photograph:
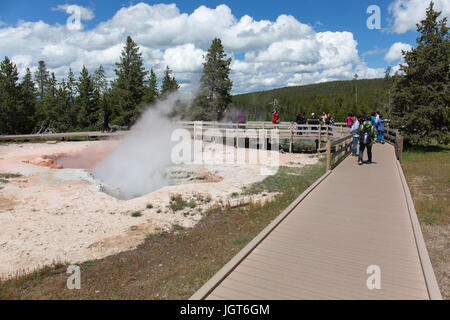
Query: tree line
(79, 103)
(90, 101)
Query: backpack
(366, 134)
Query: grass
(427, 171)
(149, 206)
(298, 146)
(170, 265)
(191, 204)
(428, 176)
(177, 227)
(4, 177)
(136, 214)
(10, 175)
(177, 202)
(243, 239)
(286, 178)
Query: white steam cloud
(138, 165)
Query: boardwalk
(321, 247)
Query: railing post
(400, 146)
(291, 142)
(328, 155)
(236, 134)
(320, 138)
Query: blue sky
(315, 30)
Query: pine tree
(72, 107)
(169, 83)
(9, 97)
(129, 85)
(151, 88)
(48, 104)
(421, 96)
(87, 102)
(214, 94)
(27, 106)
(101, 92)
(100, 81)
(41, 77)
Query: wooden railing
(62, 135)
(338, 150)
(393, 137)
(289, 129)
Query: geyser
(138, 165)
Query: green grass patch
(149, 206)
(136, 214)
(285, 178)
(10, 175)
(177, 227)
(177, 202)
(243, 239)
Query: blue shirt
(380, 125)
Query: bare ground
(168, 265)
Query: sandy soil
(53, 215)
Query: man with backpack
(367, 136)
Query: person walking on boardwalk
(367, 136)
(355, 132)
(380, 129)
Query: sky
(272, 43)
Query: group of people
(366, 130)
(233, 116)
(325, 119)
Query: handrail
(344, 144)
(393, 137)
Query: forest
(337, 97)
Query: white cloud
(395, 52)
(276, 53)
(407, 13)
(185, 58)
(22, 62)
